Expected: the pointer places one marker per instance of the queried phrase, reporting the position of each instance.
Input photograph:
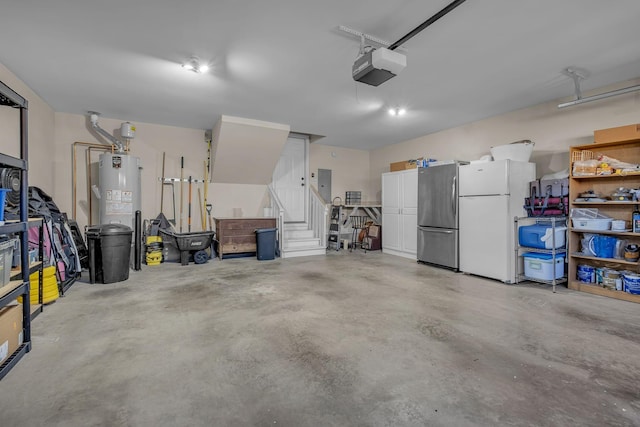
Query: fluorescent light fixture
(599, 96)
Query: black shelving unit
(9, 292)
(38, 266)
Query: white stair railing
(278, 212)
(318, 216)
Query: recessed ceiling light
(193, 64)
(397, 111)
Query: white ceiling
(284, 61)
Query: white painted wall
(250, 198)
(553, 130)
(349, 170)
(257, 143)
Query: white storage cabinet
(400, 213)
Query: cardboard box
(619, 134)
(373, 241)
(374, 231)
(10, 330)
(404, 165)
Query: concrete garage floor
(350, 339)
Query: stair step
(298, 234)
(302, 243)
(296, 226)
(300, 252)
(299, 241)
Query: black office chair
(359, 223)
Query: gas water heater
(119, 187)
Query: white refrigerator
(491, 196)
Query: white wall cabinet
(400, 213)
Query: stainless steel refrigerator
(438, 234)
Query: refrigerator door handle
(435, 230)
(453, 195)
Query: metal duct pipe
(115, 141)
(74, 175)
(600, 96)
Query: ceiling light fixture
(397, 111)
(193, 64)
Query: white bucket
(519, 151)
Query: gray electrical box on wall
(324, 184)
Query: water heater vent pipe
(115, 141)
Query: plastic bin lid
(6, 244)
(112, 229)
(587, 213)
(265, 230)
(542, 256)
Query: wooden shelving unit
(625, 151)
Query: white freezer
(499, 177)
(486, 237)
(491, 196)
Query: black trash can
(109, 252)
(266, 243)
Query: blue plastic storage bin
(3, 197)
(540, 236)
